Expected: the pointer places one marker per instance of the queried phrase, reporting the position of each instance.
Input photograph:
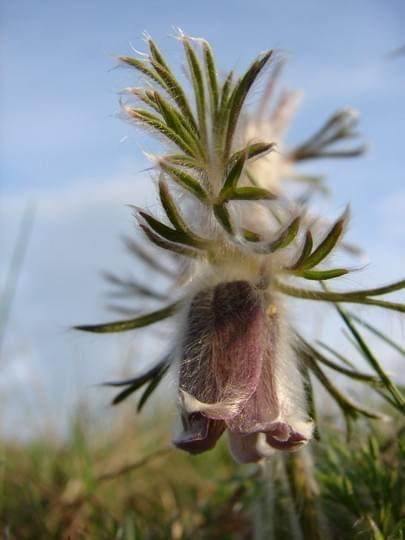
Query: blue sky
(63, 147)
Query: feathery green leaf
(152, 387)
(175, 90)
(185, 180)
(305, 252)
(149, 119)
(198, 85)
(328, 243)
(211, 73)
(283, 238)
(320, 275)
(378, 333)
(354, 297)
(222, 215)
(247, 194)
(177, 236)
(170, 246)
(143, 68)
(239, 95)
(131, 324)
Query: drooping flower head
(236, 372)
(239, 245)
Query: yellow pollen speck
(271, 310)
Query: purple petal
(238, 344)
(297, 436)
(262, 409)
(196, 376)
(199, 433)
(223, 349)
(248, 448)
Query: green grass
(126, 483)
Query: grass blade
(377, 333)
(372, 359)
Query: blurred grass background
(125, 482)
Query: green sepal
(131, 324)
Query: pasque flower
(237, 373)
(239, 245)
